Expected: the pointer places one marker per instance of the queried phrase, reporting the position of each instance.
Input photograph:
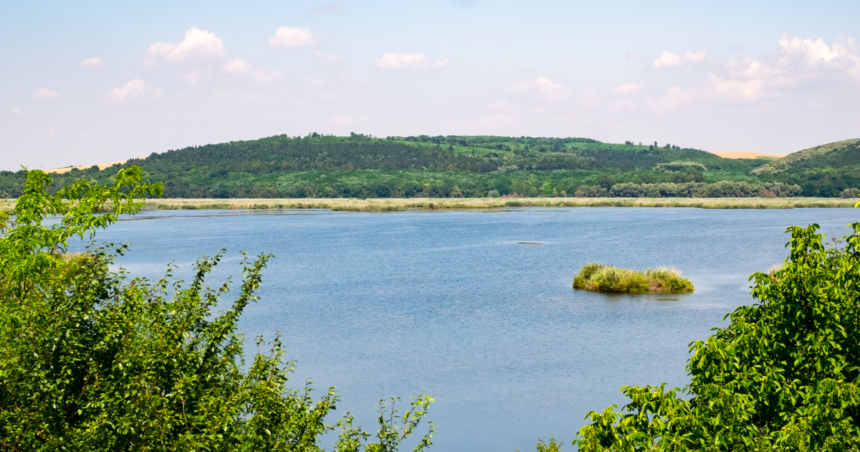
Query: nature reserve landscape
(459, 226)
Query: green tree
(782, 375)
(92, 360)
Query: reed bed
(395, 204)
(605, 278)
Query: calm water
(449, 304)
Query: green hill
(841, 154)
(442, 166)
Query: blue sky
(88, 82)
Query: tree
(92, 360)
(782, 375)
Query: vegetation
(604, 278)
(783, 375)
(360, 166)
(825, 170)
(93, 360)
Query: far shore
(395, 204)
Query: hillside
(841, 154)
(362, 166)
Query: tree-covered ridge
(363, 166)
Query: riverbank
(394, 204)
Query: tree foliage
(95, 360)
(783, 375)
(366, 167)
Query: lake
(449, 303)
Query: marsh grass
(604, 278)
(397, 204)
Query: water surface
(449, 303)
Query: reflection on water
(449, 303)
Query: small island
(605, 278)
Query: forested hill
(445, 166)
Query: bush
(783, 375)
(604, 278)
(91, 360)
(849, 193)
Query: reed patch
(605, 278)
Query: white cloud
(292, 37)
(675, 98)
(746, 90)
(197, 43)
(315, 82)
(747, 68)
(237, 67)
(264, 76)
(669, 60)
(45, 93)
(92, 63)
(192, 77)
(413, 61)
(134, 90)
(259, 74)
(841, 57)
(17, 112)
(326, 59)
(813, 53)
(544, 86)
(627, 88)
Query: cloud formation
(797, 62)
(544, 87)
(410, 61)
(92, 63)
(326, 59)
(237, 66)
(627, 88)
(261, 75)
(135, 90)
(292, 37)
(196, 44)
(668, 60)
(45, 93)
(17, 112)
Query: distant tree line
(363, 166)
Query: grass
(395, 204)
(605, 278)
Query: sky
(95, 81)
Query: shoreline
(399, 204)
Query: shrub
(782, 376)
(91, 360)
(604, 278)
(849, 193)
